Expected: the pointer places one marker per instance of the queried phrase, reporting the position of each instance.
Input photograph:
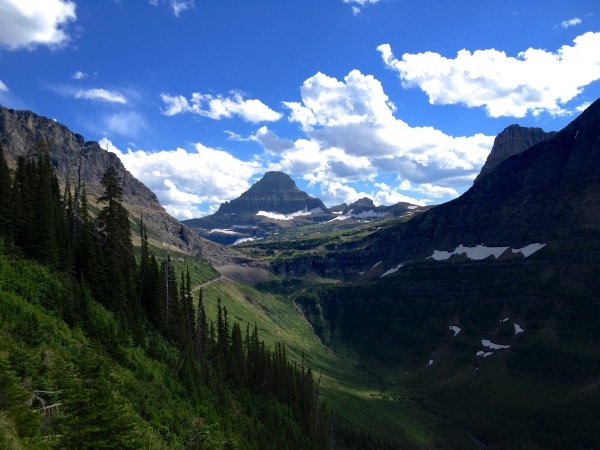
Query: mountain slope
(548, 193)
(72, 156)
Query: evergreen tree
(118, 258)
(5, 197)
(201, 339)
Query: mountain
(73, 157)
(547, 193)
(275, 192)
(512, 141)
(365, 209)
(271, 203)
(275, 204)
(485, 309)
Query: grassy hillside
(81, 382)
(353, 393)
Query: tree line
(145, 295)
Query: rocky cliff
(73, 157)
(512, 141)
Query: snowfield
(292, 216)
(480, 252)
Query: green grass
(352, 393)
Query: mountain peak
(274, 192)
(513, 140)
(273, 181)
(364, 202)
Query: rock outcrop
(512, 141)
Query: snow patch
(430, 362)
(412, 207)
(242, 240)
(476, 253)
(375, 265)
(483, 354)
(529, 250)
(392, 270)
(224, 231)
(489, 344)
(518, 329)
(480, 252)
(455, 329)
(504, 320)
(292, 216)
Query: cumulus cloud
(219, 107)
(269, 140)
(3, 87)
(570, 22)
(534, 81)
(26, 24)
(189, 184)
(101, 95)
(352, 134)
(357, 5)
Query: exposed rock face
(23, 131)
(275, 192)
(512, 141)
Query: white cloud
(101, 95)
(125, 123)
(571, 22)
(189, 184)
(534, 81)
(581, 108)
(27, 23)
(3, 87)
(79, 75)
(358, 4)
(353, 135)
(219, 107)
(436, 191)
(179, 6)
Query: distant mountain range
(275, 203)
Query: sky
(396, 100)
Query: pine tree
(201, 339)
(5, 196)
(118, 258)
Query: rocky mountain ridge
(73, 158)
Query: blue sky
(393, 99)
